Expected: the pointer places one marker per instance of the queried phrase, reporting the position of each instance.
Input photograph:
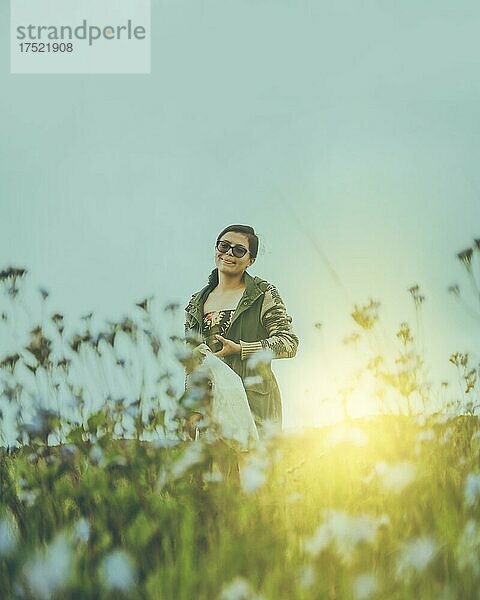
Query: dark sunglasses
(237, 250)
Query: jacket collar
(251, 293)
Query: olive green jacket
(260, 322)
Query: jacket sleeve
(281, 340)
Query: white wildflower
(416, 555)
(344, 532)
(467, 550)
(97, 456)
(307, 576)
(49, 570)
(395, 477)
(426, 435)
(28, 496)
(472, 488)
(117, 571)
(253, 473)
(294, 497)
(252, 380)
(239, 589)
(265, 355)
(447, 435)
(212, 477)
(364, 586)
(191, 456)
(82, 530)
(347, 435)
(8, 539)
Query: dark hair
(249, 232)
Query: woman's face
(228, 263)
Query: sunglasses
(237, 250)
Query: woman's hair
(249, 232)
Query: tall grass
(104, 495)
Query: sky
(348, 137)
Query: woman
(238, 316)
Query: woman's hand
(229, 347)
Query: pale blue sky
(346, 136)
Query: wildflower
(467, 549)
(252, 380)
(143, 304)
(9, 362)
(28, 496)
(472, 488)
(82, 530)
(459, 359)
(351, 339)
(212, 477)
(11, 273)
(366, 316)
(264, 355)
(239, 589)
(295, 497)
(447, 435)
(10, 276)
(396, 477)
(416, 555)
(307, 576)
(40, 346)
(117, 571)
(252, 475)
(344, 532)
(191, 456)
(342, 435)
(454, 289)
(417, 297)
(8, 539)
(426, 435)
(404, 333)
(49, 570)
(465, 256)
(172, 307)
(97, 456)
(364, 586)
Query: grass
(102, 496)
(380, 502)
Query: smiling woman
(243, 320)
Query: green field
(385, 507)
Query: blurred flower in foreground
(425, 435)
(396, 477)
(345, 532)
(117, 571)
(472, 488)
(467, 551)
(307, 576)
(191, 456)
(342, 434)
(82, 530)
(465, 256)
(239, 589)
(364, 586)
(8, 539)
(260, 356)
(416, 555)
(252, 475)
(49, 570)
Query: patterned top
(216, 322)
